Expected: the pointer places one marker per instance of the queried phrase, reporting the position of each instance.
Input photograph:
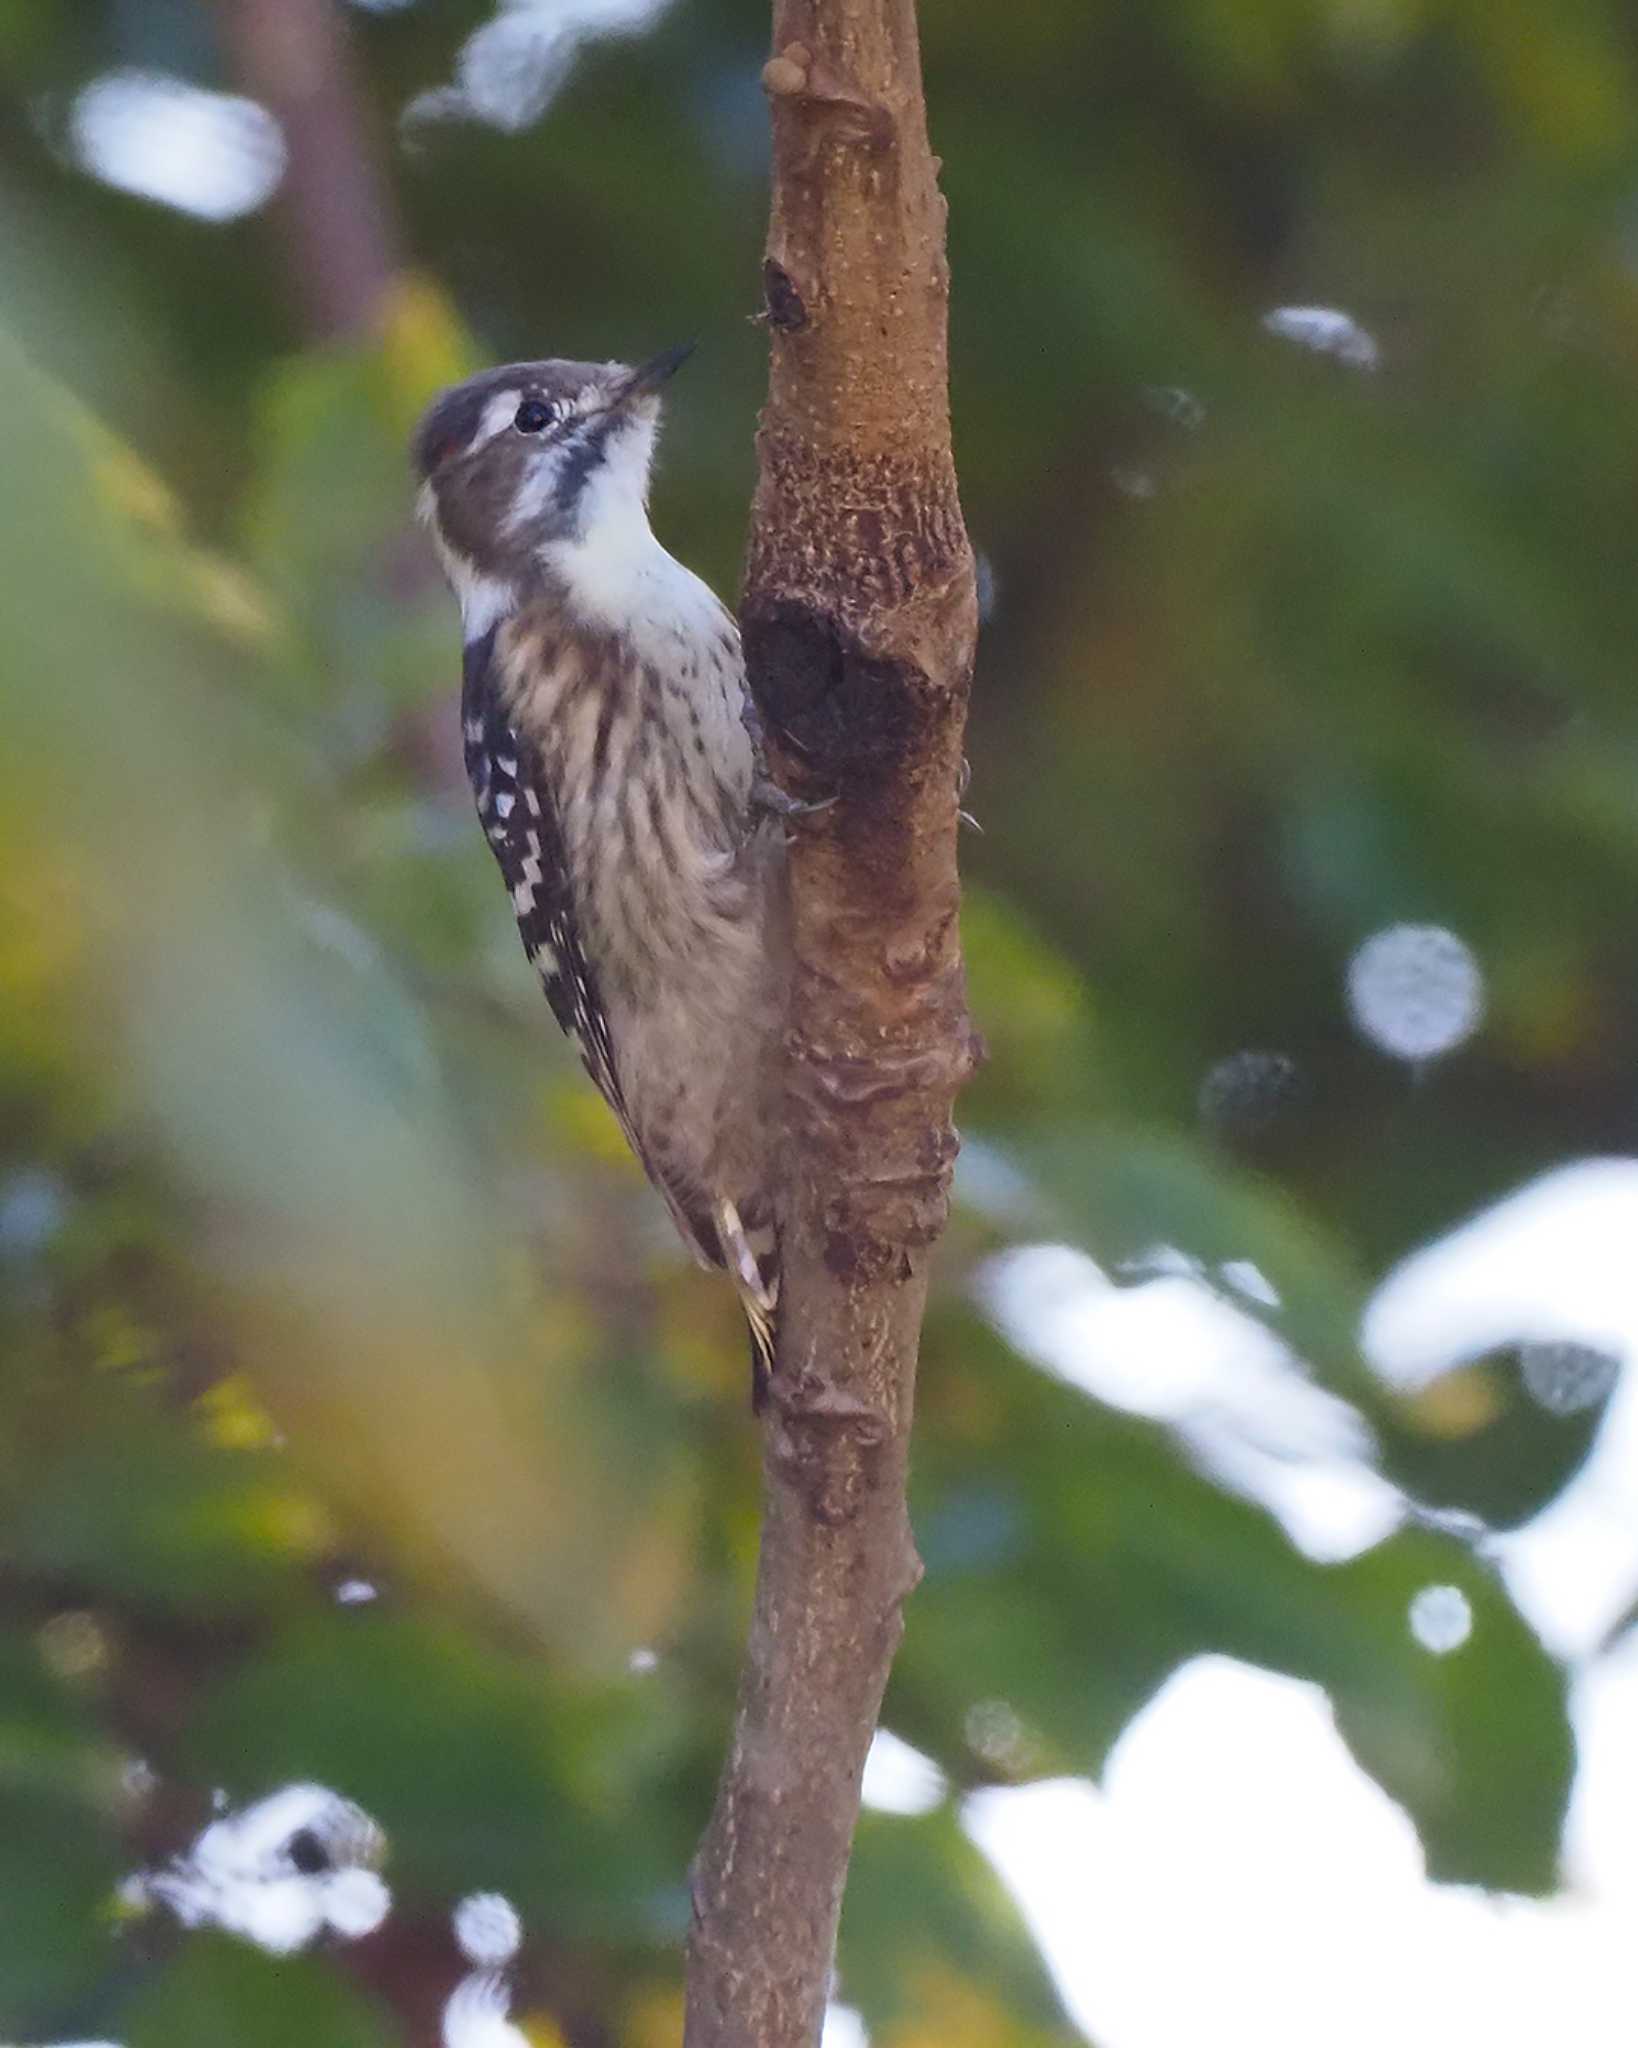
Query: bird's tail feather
(750, 1250)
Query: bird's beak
(648, 377)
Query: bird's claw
(767, 796)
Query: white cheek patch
(613, 510)
(534, 493)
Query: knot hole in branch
(851, 717)
(783, 307)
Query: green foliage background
(316, 1256)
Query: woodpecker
(605, 726)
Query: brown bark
(859, 622)
(333, 208)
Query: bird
(617, 770)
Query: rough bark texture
(333, 207)
(859, 622)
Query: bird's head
(534, 458)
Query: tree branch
(334, 208)
(859, 622)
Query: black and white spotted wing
(520, 823)
(519, 818)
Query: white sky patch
(34, 1206)
(478, 2014)
(1325, 331)
(211, 154)
(988, 1181)
(510, 70)
(994, 1732)
(1134, 483)
(843, 2029)
(356, 1902)
(1251, 1281)
(988, 579)
(1573, 1569)
(1551, 1263)
(1565, 1377)
(1600, 1842)
(138, 1779)
(1249, 1091)
(1157, 1261)
(1415, 991)
(487, 1928)
(1441, 1619)
(1172, 402)
(899, 1779)
(279, 1873)
(1175, 1350)
(1237, 1866)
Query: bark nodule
(859, 619)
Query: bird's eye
(534, 416)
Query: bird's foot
(774, 802)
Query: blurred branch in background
(334, 209)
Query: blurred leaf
(949, 2011)
(1131, 1191)
(142, 1512)
(58, 1850)
(1475, 1743)
(924, 1907)
(58, 1869)
(1053, 1611)
(328, 523)
(1490, 1450)
(25, 28)
(219, 1990)
(1037, 1012)
(485, 1774)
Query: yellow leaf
(950, 2013)
(1456, 1405)
(577, 1116)
(233, 1418)
(282, 1523)
(542, 2030)
(423, 346)
(654, 2018)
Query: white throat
(614, 503)
(484, 600)
(615, 573)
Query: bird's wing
(519, 818)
